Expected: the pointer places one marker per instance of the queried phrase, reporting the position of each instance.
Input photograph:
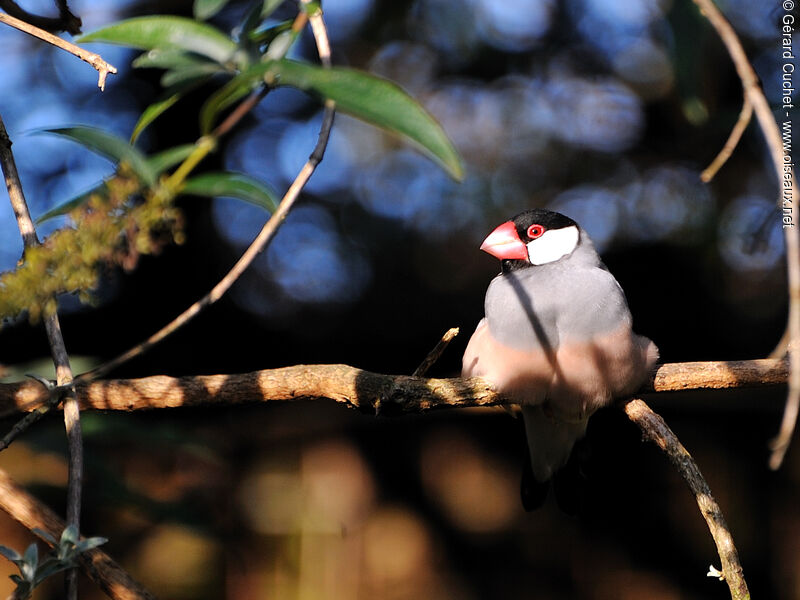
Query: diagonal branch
(733, 140)
(99, 566)
(436, 352)
(65, 21)
(782, 163)
(657, 431)
(102, 67)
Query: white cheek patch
(554, 244)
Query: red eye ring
(535, 231)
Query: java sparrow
(556, 338)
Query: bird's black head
(533, 237)
(532, 224)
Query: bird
(556, 338)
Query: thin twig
(657, 431)
(320, 34)
(434, 354)
(357, 388)
(239, 112)
(733, 140)
(780, 349)
(56, 396)
(783, 167)
(261, 241)
(64, 378)
(102, 67)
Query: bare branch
(717, 375)
(356, 388)
(657, 431)
(240, 111)
(733, 140)
(787, 199)
(434, 354)
(56, 396)
(66, 21)
(102, 67)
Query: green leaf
(165, 102)
(234, 185)
(69, 205)
(43, 534)
(310, 8)
(48, 570)
(280, 45)
(167, 59)
(205, 9)
(193, 74)
(166, 33)
(236, 89)
(159, 163)
(269, 7)
(31, 557)
(166, 159)
(70, 535)
(362, 95)
(90, 543)
(266, 35)
(251, 20)
(377, 101)
(112, 147)
(152, 112)
(10, 553)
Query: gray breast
(538, 307)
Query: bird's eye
(535, 231)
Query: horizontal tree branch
(364, 390)
(395, 394)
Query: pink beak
(504, 243)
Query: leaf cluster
(114, 226)
(193, 53)
(63, 556)
(132, 213)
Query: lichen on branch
(113, 228)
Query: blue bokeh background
(605, 111)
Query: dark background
(605, 111)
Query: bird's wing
(564, 337)
(524, 376)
